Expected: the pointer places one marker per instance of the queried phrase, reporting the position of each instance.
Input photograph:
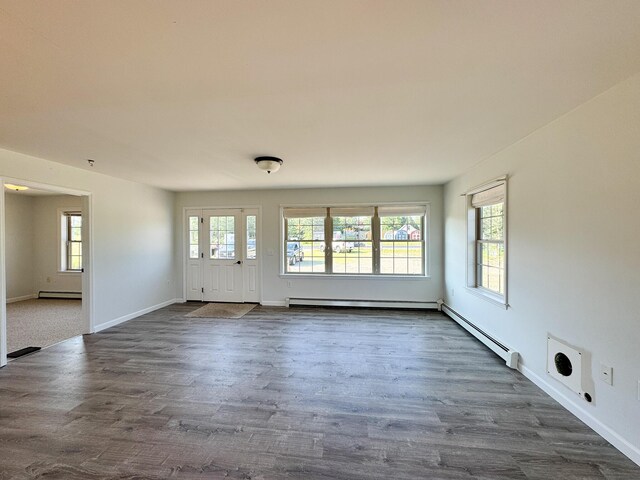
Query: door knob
(238, 262)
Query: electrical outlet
(606, 374)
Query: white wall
(274, 286)
(132, 230)
(47, 276)
(574, 256)
(19, 246)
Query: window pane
(305, 228)
(305, 245)
(415, 266)
(402, 246)
(251, 237)
(491, 263)
(400, 265)
(386, 265)
(76, 234)
(490, 252)
(491, 220)
(76, 249)
(76, 221)
(222, 237)
(351, 245)
(485, 229)
(76, 263)
(194, 237)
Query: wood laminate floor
(300, 393)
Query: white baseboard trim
(130, 316)
(273, 303)
(615, 439)
(361, 303)
(509, 355)
(22, 298)
(51, 295)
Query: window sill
(67, 272)
(496, 300)
(354, 277)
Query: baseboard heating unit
(335, 302)
(508, 355)
(73, 295)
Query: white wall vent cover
(564, 363)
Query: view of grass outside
(401, 258)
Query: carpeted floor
(40, 322)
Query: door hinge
(202, 255)
(202, 289)
(201, 219)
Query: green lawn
(399, 258)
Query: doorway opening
(45, 248)
(222, 255)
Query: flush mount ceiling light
(17, 188)
(269, 164)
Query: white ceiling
(183, 95)
(32, 192)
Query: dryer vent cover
(564, 363)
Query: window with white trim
(401, 240)
(358, 240)
(487, 234)
(304, 248)
(71, 242)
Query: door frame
(87, 256)
(185, 247)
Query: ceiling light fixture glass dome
(269, 164)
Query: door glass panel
(194, 237)
(251, 237)
(222, 237)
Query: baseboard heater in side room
(510, 356)
(73, 295)
(336, 302)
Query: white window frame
(426, 232)
(63, 213)
(472, 244)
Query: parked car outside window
(294, 253)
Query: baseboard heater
(337, 302)
(510, 356)
(73, 295)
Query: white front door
(222, 256)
